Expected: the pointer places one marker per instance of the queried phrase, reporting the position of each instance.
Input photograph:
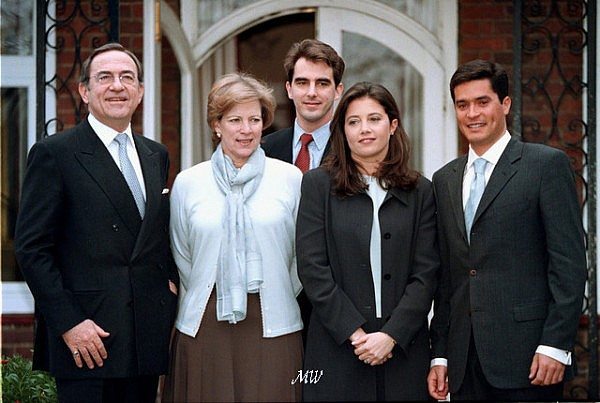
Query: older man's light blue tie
(129, 173)
(477, 187)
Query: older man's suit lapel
(150, 162)
(503, 172)
(97, 161)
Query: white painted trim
(191, 139)
(448, 23)
(50, 72)
(189, 19)
(16, 298)
(152, 76)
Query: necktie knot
(305, 139)
(479, 165)
(121, 139)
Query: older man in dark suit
(92, 242)
(513, 256)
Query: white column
(152, 106)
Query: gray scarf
(239, 268)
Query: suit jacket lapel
(287, 149)
(506, 168)
(97, 161)
(150, 162)
(455, 186)
(327, 150)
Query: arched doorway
(400, 43)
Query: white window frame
(20, 71)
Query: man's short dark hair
(314, 51)
(481, 69)
(84, 75)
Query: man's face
(313, 91)
(480, 115)
(113, 102)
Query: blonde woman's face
(240, 130)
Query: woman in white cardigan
(233, 231)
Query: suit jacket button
(473, 272)
(115, 227)
(387, 235)
(387, 276)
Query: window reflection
(17, 27)
(369, 60)
(13, 150)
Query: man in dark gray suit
(92, 242)
(513, 256)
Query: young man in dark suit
(92, 242)
(314, 82)
(513, 256)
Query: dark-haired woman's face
(368, 129)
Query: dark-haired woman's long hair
(393, 171)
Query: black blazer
(521, 281)
(279, 145)
(85, 253)
(333, 253)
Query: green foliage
(23, 385)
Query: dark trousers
(112, 390)
(476, 387)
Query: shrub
(23, 385)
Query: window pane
(17, 27)
(369, 60)
(14, 151)
(211, 11)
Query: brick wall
(17, 335)
(485, 32)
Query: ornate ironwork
(555, 63)
(69, 27)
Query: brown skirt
(233, 363)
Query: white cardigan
(197, 207)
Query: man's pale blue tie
(129, 173)
(477, 188)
